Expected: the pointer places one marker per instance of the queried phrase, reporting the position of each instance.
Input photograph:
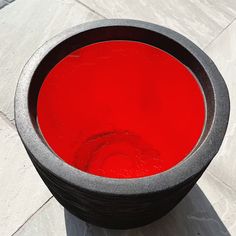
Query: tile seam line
(7, 120)
(32, 215)
(220, 181)
(218, 35)
(91, 9)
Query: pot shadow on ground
(194, 215)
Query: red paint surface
(121, 109)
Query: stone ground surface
(26, 206)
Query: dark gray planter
(120, 203)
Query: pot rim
(193, 164)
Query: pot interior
(121, 33)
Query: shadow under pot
(120, 119)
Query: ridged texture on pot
(111, 211)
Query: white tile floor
(26, 206)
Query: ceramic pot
(120, 203)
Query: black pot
(120, 203)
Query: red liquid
(121, 109)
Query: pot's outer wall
(120, 203)
(114, 211)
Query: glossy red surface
(121, 109)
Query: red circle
(121, 109)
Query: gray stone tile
(222, 198)
(223, 53)
(22, 192)
(24, 26)
(48, 221)
(200, 21)
(207, 210)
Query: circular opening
(52, 52)
(121, 109)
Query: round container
(110, 202)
